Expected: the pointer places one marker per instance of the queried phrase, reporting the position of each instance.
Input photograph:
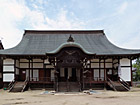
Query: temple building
(67, 60)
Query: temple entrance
(67, 74)
(68, 64)
(68, 79)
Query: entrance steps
(18, 87)
(74, 87)
(118, 86)
(68, 87)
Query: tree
(136, 75)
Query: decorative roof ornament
(70, 39)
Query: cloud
(123, 7)
(61, 22)
(11, 13)
(17, 16)
(133, 42)
(121, 23)
(123, 28)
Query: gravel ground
(36, 97)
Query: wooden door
(73, 75)
(22, 75)
(63, 74)
(41, 75)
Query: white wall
(49, 66)
(125, 71)
(52, 75)
(102, 65)
(24, 65)
(95, 60)
(37, 60)
(78, 73)
(126, 74)
(8, 77)
(69, 72)
(94, 65)
(108, 60)
(108, 65)
(8, 66)
(17, 71)
(24, 60)
(102, 73)
(37, 65)
(17, 63)
(125, 62)
(35, 74)
(8, 61)
(96, 72)
(61, 72)
(46, 61)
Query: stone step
(70, 86)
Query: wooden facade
(47, 71)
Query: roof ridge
(63, 32)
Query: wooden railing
(95, 79)
(110, 83)
(11, 84)
(25, 84)
(42, 79)
(124, 83)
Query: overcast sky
(120, 19)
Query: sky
(120, 19)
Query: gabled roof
(36, 42)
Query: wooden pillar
(44, 79)
(29, 70)
(99, 69)
(15, 69)
(32, 70)
(83, 74)
(118, 61)
(112, 68)
(55, 75)
(104, 74)
(104, 71)
(83, 78)
(1, 62)
(131, 71)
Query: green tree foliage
(136, 75)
